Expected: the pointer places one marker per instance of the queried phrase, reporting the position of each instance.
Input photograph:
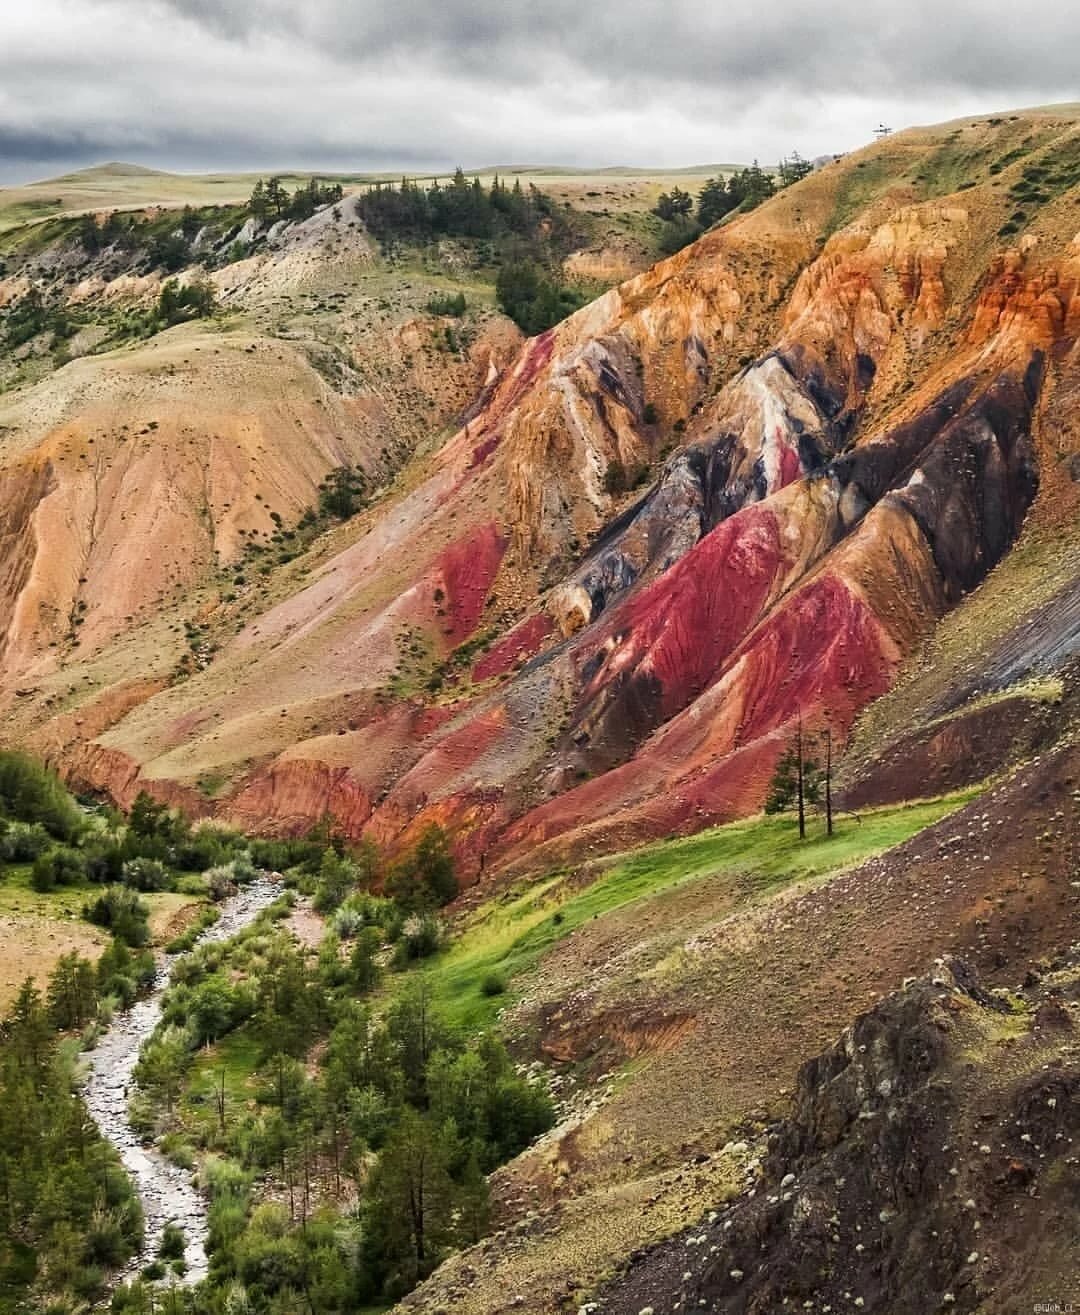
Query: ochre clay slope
(126, 478)
(743, 488)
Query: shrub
(421, 936)
(363, 964)
(26, 319)
(215, 1008)
(177, 1151)
(60, 867)
(450, 304)
(31, 793)
(204, 848)
(342, 492)
(122, 912)
(676, 235)
(153, 820)
(88, 1282)
(494, 983)
(224, 1179)
(170, 252)
(221, 881)
(147, 874)
(190, 883)
(533, 299)
(105, 1242)
(346, 922)
(134, 1298)
(22, 842)
(337, 876)
(615, 481)
(121, 974)
(104, 863)
(173, 1242)
(243, 866)
(426, 879)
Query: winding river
(166, 1191)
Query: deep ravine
(165, 1190)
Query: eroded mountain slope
(831, 445)
(844, 403)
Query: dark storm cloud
(365, 83)
(834, 45)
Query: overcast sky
(374, 84)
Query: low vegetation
(399, 1111)
(343, 1105)
(271, 200)
(521, 232)
(70, 1214)
(507, 216)
(533, 297)
(402, 1113)
(507, 938)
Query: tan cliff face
(830, 412)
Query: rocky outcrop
(915, 1172)
(803, 604)
(293, 794)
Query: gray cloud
(991, 45)
(426, 83)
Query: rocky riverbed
(166, 1191)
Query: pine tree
(277, 199)
(26, 1030)
(410, 1196)
(793, 168)
(714, 202)
(796, 781)
(72, 992)
(257, 203)
(681, 203)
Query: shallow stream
(166, 1190)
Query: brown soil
(927, 1164)
(30, 947)
(767, 988)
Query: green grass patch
(18, 897)
(237, 1054)
(210, 784)
(507, 938)
(863, 184)
(955, 166)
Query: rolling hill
(819, 471)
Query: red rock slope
(836, 402)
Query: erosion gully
(166, 1190)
